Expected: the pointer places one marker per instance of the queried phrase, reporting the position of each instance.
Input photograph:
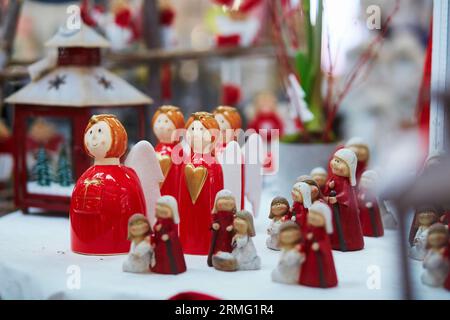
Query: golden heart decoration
(195, 180)
(165, 162)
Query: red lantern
(52, 111)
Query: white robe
(436, 269)
(139, 258)
(418, 250)
(273, 231)
(288, 269)
(245, 254)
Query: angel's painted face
(315, 219)
(226, 132)
(98, 140)
(139, 228)
(320, 179)
(226, 204)
(240, 225)
(163, 212)
(198, 137)
(339, 167)
(279, 209)
(289, 237)
(164, 128)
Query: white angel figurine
(109, 193)
(424, 220)
(435, 264)
(141, 252)
(288, 268)
(279, 209)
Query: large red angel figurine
(369, 210)
(108, 193)
(168, 255)
(200, 179)
(318, 269)
(347, 232)
(166, 121)
(222, 225)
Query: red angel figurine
(222, 225)
(369, 211)
(166, 121)
(320, 176)
(318, 269)
(108, 193)
(347, 232)
(361, 149)
(200, 180)
(168, 254)
(301, 195)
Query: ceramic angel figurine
(244, 255)
(166, 121)
(168, 258)
(347, 232)
(279, 209)
(288, 268)
(369, 210)
(362, 151)
(200, 180)
(320, 176)
(141, 252)
(435, 263)
(97, 212)
(222, 224)
(424, 219)
(318, 269)
(301, 195)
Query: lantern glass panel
(49, 156)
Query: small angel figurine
(200, 180)
(229, 121)
(369, 210)
(347, 232)
(168, 258)
(109, 193)
(222, 225)
(435, 263)
(301, 195)
(320, 176)
(318, 269)
(288, 268)
(166, 121)
(279, 208)
(362, 151)
(424, 219)
(244, 255)
(141, 251)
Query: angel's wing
(231, 161)
(142, 158)
(254, 158)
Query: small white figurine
(279, 209)
(424, 219)
(141, 252)
(435, 264)
(288, 269)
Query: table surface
(35, 259)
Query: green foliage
(64, 170)
(41, 171)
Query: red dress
(347, 229)
(103, 200)
(223, 237)
(170, 184)
(267, 121)
(300, 213)
(168, 254)
(195, 218)
(318, 270)
(369, 214)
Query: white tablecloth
(35, 257)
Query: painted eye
(99, 130)
(192, 128)
(167, 121)
(90, 132)
(201, 129)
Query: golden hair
(173, 113)
(119, 137)
(206, 119)
(231, 114)
(248, 218)
(135, 218)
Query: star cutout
(57, 82)
(104, 82)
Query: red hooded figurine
(200, 179)
(168, 254)
(361, 149)
(347, 232)
(369, 211)
(301, 195)
(318, 269)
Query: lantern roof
(74, 86)
(84, 37)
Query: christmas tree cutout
(41, 171)
(64, 171)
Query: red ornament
(267, 121)
(231, 94)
